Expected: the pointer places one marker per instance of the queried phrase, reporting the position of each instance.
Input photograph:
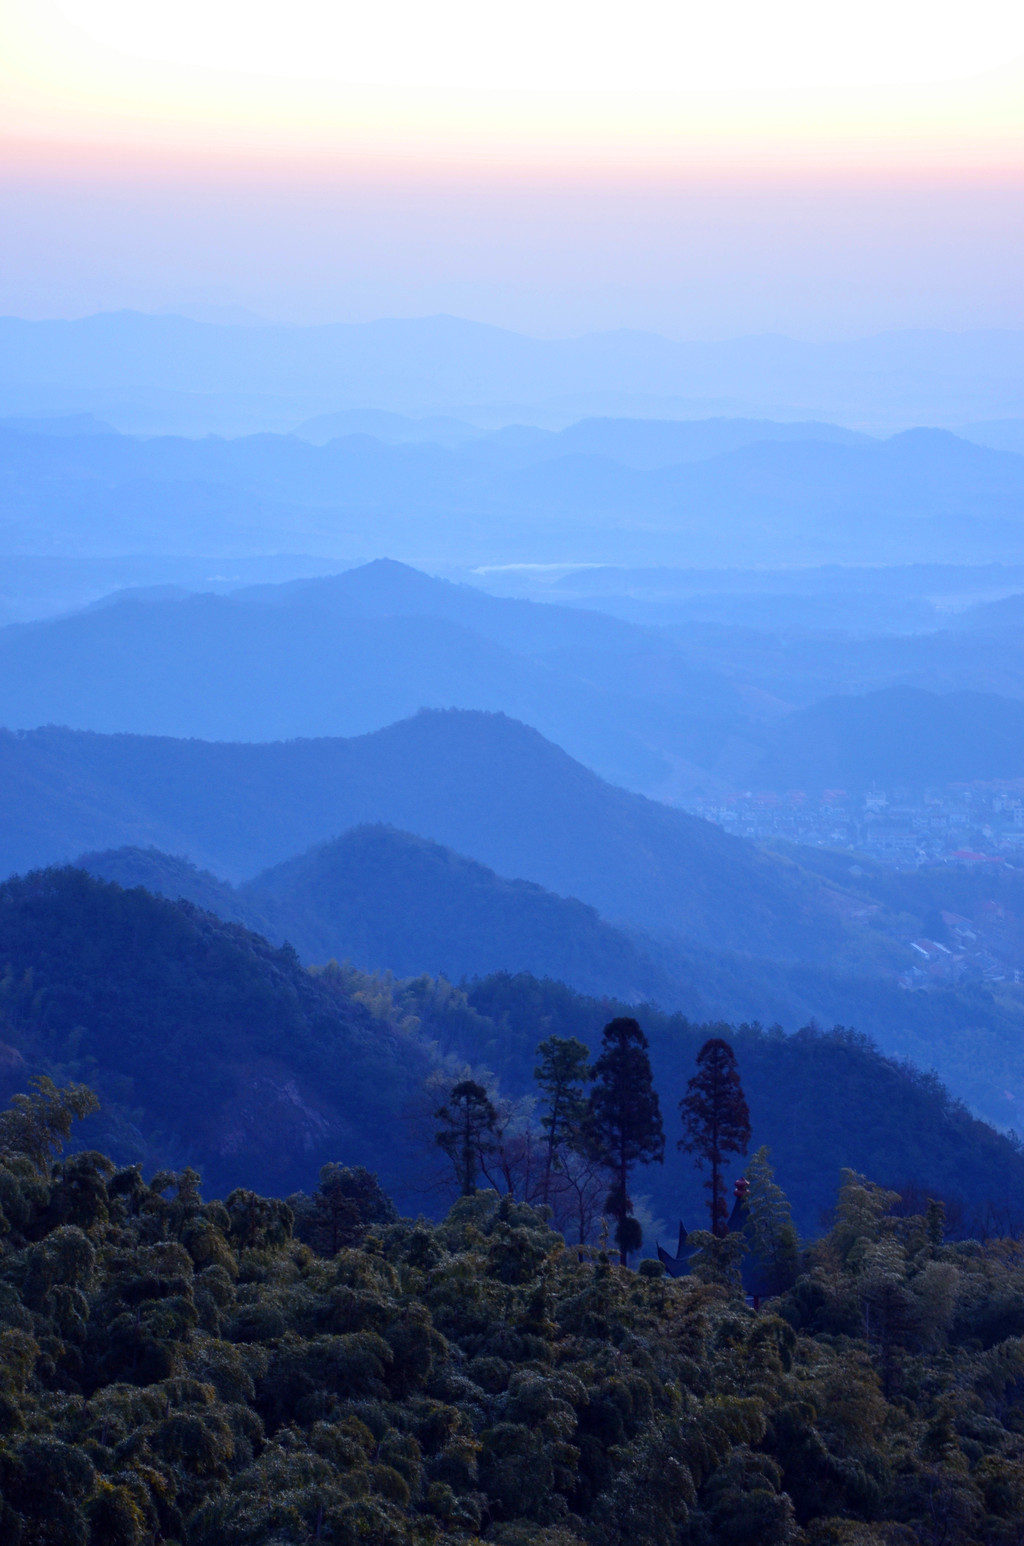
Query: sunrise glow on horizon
(595, 102)
(674, 88)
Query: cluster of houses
(980, 823)
(974, 952)
(974, 826)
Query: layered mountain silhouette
(482, 784)
(601, 493)
(356, 651)
(426, 364)
(664, 712)
(646, 444)
(381, 897)
(378, 896)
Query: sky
(821, 170)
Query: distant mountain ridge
(356, 651)
(605, 491)
(382, 898)
(481, 784)
(648, 444)
(443, 362)
(350, 653)
(897, 736)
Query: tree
(514, 1160)
(770, 1232)
(347, 1201)
(39, 1125)
(861, 1210)
(623, 1122)
(561, 1073)
(467, 1134)
(578, 1190)
(716, 1121)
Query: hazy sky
(817, 169)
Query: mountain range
(666, 711)
(381, 898)
(355, 652)
(481, 784)
(377, 896)
(604, 492)
(687, 914)
(277, 753)
(128, 361)
(633, 442)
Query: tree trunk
(623, 1178)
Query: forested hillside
(207, 1046)
(377, 896)
(329, 902)
(819, 1099)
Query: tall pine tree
(716, 1121)
(623, 1124)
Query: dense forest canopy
(177, 1370)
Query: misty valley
(511, 936)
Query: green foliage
(346, 1202)
(190, 1372)
(769, 1226)
(38, 1126)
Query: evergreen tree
(716, 1121)
(468, 1131)
(770, 1232)
(561, 1073)
(623, 1124)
